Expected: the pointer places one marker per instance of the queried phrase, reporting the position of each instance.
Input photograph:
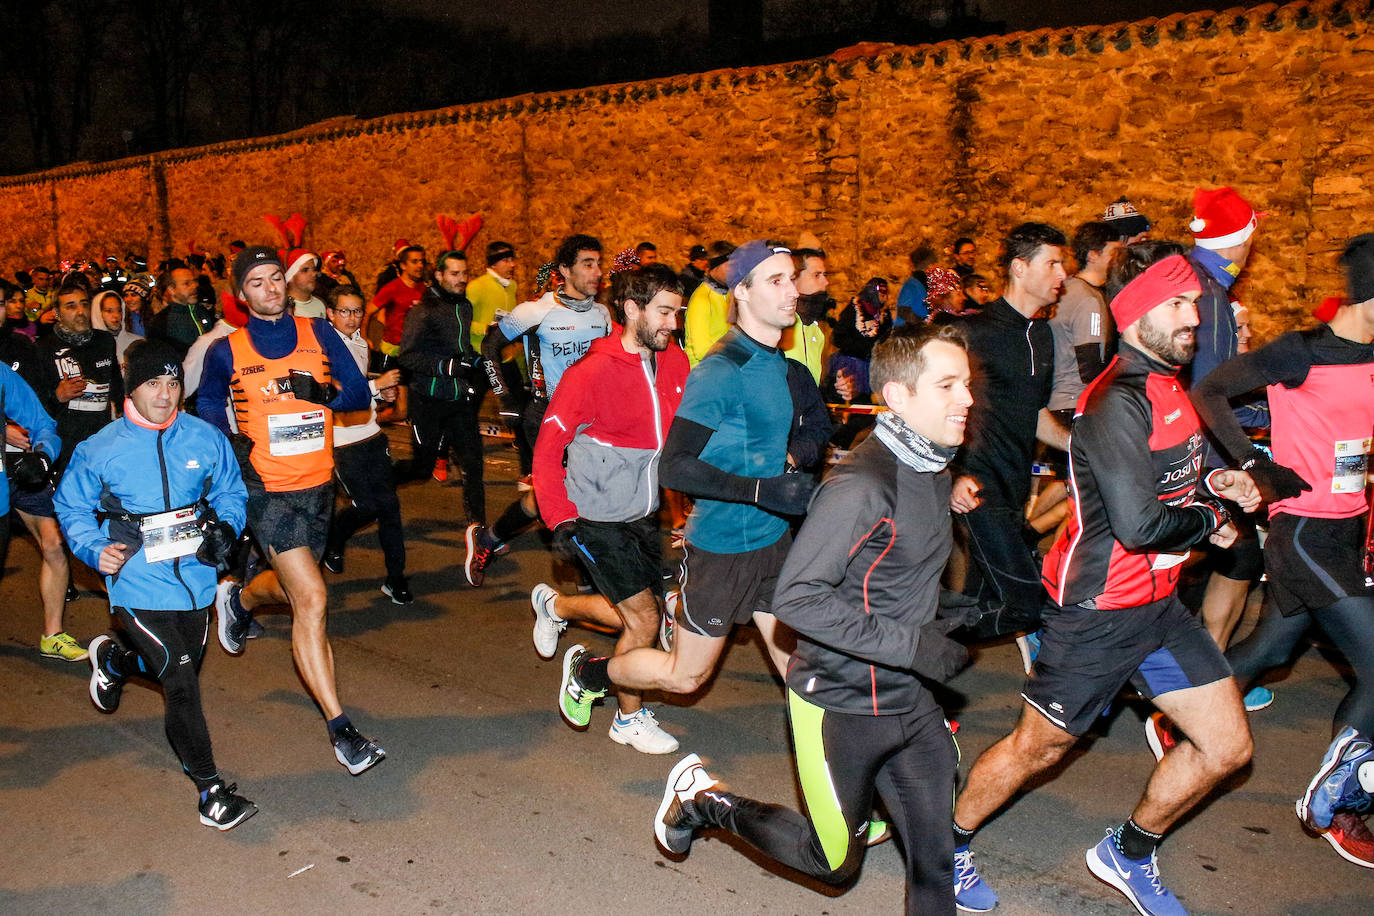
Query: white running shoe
(642, 732)
(677, 818)
(548, 626)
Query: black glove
(455, 366)
(939, 658)
(786, 494)
(305, 387)
(564, 547)
(1275, 481)
(243, 450)
(1217, 516)
(30, 471)
(217, 538)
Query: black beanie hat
(499, 251)
(148, 359)
(1358, 263)
(249, 258)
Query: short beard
(648, 339)
(1163, 346)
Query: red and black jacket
(1135, 507)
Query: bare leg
(589, 608)
(1222, 606)
(1218, 744)
(53, 572)
(1035, 745)
(778, 641)
(299, 580)
(683, 670)
(639, 618)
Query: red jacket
(599, 446)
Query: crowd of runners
(1095, 464)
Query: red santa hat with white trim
(1222, 219)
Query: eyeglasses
(348, 313)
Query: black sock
(335, 724)
(593, 673)
(1134, 841)
(203, 783)
(962, 837)
(513, 521)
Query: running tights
(841, 757)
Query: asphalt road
(489, 803)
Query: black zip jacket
(437, 330)
(1013, 374)
(862, 577)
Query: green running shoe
(575, 700)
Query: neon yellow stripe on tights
(822, 804)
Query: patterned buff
(910, 447)
(941, 281)
(1161, 281)
(624, 260)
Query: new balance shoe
(356, 752)
(223, 809)
(1138, 879)
(478, 555)
(575, 700)
(1160, 734)
(548, 626)
(61, 646)
(233, 624)
(677, 818)
(333, 561)
(641, 731)
(105, 687)
(1336, 784)
(1351, 839)
(1258, 698)
(667, 626)
(398, 590)
(971, 893)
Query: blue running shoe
(1138, 879)
(971, 893)
(1258, 698)
(1337, 783)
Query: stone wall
(872, 149)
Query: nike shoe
(548, 626)
(105, 687)
(398, 590)
(878, 832)
(641, 731)
(575, 700)
(677, 818)
(1138, 879)
(971, 893)
(233, 625)
(1160, 734)
(478, 556)
(62, 646)
(334, 561)
(1336, 784)
(1258, 698)
(356, 752)
(223, 809)
(668, 625)
(1351, 839)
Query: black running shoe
(398, 590)
(72, 593)
(333, 561)
(223, 810)
(105, 687)
(478, 555)
(233, 626)
(356, 752)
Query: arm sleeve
(1112, 439)
(1285, 361)
(495, 341)
(75, 500)
(353, 391)
(228, 496)
(1090, 361)
(212, 403)
(682, 468)
(568, 412)
(840, 522)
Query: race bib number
(169, 535)
(1351, 465)
(295, 433)
(95, 397)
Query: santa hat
(295, 259)
(399, 246)
(234, 312)
(1222, 219)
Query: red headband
(1161, 281)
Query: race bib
(95, 397)
(1351, 466)
(295, 433)
(1168, 560)
(169, 535)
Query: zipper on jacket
(1032, 349)
(167, 506)
(658, 431)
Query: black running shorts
(1314, 562)
(720, 590)
(283, 521)
(623, 558)
(1086, 656)
(37, 503)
